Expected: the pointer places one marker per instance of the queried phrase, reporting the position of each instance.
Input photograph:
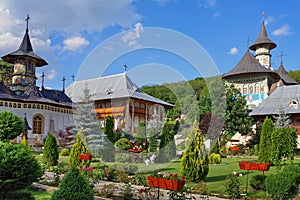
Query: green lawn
(215, 179)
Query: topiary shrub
(50, 155)
(257, 182)
(74, 186)
(123, 144)
(10, 126)
(18, 169)
(64, 152)
(77, 148)
(215, 158)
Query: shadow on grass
(224, 177)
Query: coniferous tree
(85, 120)
(282, 120)
(141, 133)
(108, 153)
(50, 154)
(74, 186)
(195, 162)
(78, 147)
(152, 140)
(265, 144)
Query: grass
(215, 179)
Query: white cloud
(206, 3)
(51, 74)
(269, 20)
(233, 51)
(283, 30)
(132, 37)
(216, 14)
(75, 43)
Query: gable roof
(249, 65)
(285, 77)
(110, 87)
(25, 49)
(262, 39)
(281, 96)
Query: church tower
(262, 47)
(25, 61)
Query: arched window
(38, 124)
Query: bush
(77, 148)
(18, 169)
(50, 155)
(123, 144)
(215, 158)
(74, 187)
(283, 184)
(123, 157)
(10, 126)
(130, 168)
(232, 186)
(257, 182)
(64, 152)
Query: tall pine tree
(194, 162)
(85, 120)
(108, 153)
(265, 144)
(281, 120)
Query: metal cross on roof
(248, 42)
(263, 15)
(43, 79)
(64, 81)
(281, 55)
(125, 67)
(73, 77)
(27, 19)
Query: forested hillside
(295, 75)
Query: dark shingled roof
(25, 49)
(249, 65)
(56, 95)
(262, 39)
(285, 77)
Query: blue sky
(78, 36)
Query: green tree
(85, 120)
(141, 134)
(281, 120)
(284, 142)
(6, 69)
(74, 186)
(24, 141)
(152, 141)
(10, 126)
(110, 139)
(204, 102)
(237, 117)
(79, 147)
(18, 169)
(195, 162)
(50, 154)
(265, 144)
(167, 147)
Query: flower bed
(169, 182)
(246, 165)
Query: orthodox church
(43, 110)
(254, 76)
(266, 90)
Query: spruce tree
(50, 154)
(195, 162)
(265, 144)
(85, 120)
(79, 147)
(281, 120)
(74, 186)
